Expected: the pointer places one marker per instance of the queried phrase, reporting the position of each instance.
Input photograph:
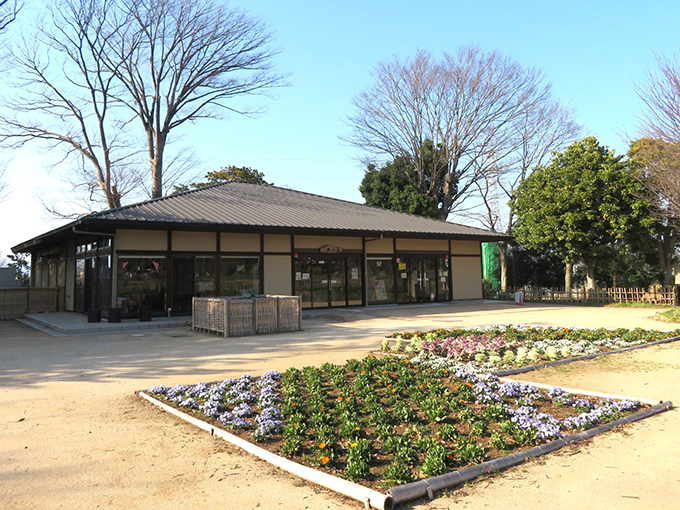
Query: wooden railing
(14, 303)
(665, 296)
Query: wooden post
(278, 314)
(299, 310)
(254, 316)
(227, 316)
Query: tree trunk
(666, 251)
(156, 163)
(503, 260)
(590, 275)
(568, 270)
(447, 192)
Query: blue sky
(593, 52)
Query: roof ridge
(168, 197)
(365, 205)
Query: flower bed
(385, 422)
(491, 349)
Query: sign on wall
(330, 249)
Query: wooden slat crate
(232, 316)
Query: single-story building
(236, 238)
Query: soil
(382, 457)
(74, 435)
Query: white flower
(533, 356)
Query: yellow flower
(325, 460)
(322, 445)
(353, 445)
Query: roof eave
(86, 223)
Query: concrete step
(67, 324)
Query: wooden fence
(666, 296)
(231, 316)
(14, 303)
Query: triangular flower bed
(385, 430)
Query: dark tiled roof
(244, 204)
(264, 208)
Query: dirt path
(74, 436)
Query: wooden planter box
(235, 316)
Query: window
(141, 282)
(239, 276)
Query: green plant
(404, 413)
(478, 428)
(467, 414)
(398, 473)
(448, 432)
(426, 443)
(351, 429)
(291, 447)
(525, 436)
(435, 461)
(384, 431)
(437, 413)
(472, 452)
(498, 441)
(358, 459)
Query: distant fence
(231, 316)
(667, 296)
(14, 303)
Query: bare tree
(467, 104)
(65, 98)
(661, 127)
(3, 182)
(661, 96)
(183, 60)
(544, 127)
(8, 12)
(658, 165)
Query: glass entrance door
(327, 281)
(182, 283)
(336, 283)
(320, 294)
(422, 280)
(380, 280)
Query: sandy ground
(73, 435)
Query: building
(235, 238)
(8, 278)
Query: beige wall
(380, 246)
(277, 275)
(316, 242)
(194, 241)
(466, 248)
(276, 243)
(422, 245)
(141, 240)
(240, 242)
(467, 277)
